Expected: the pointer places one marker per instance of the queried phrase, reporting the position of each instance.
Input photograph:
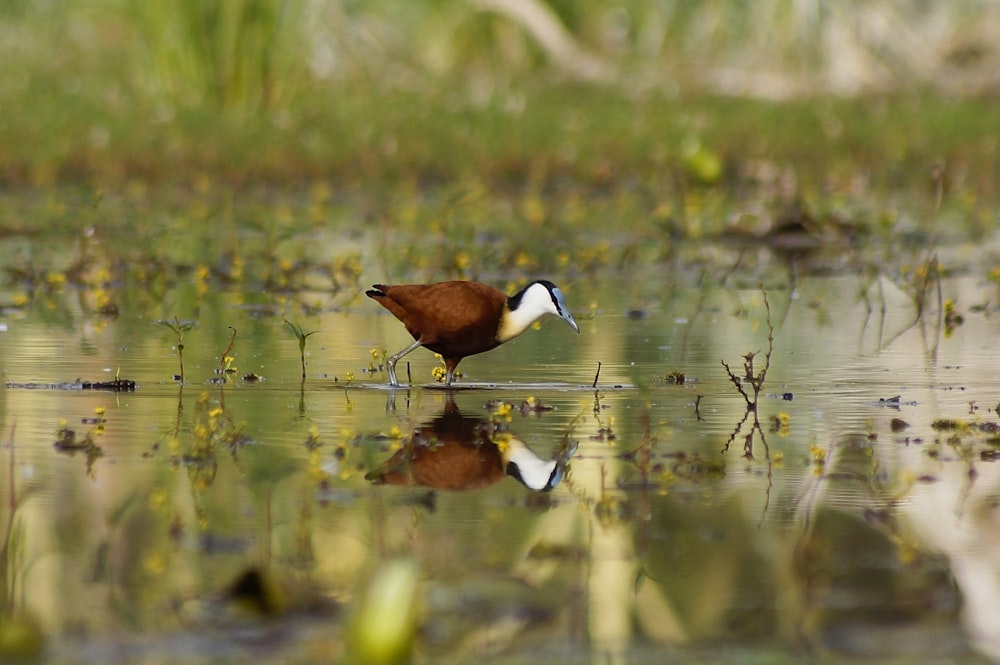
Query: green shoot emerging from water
(179, 328)
(302, 336)
(226, 361)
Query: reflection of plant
(68, 442)
(212, 428)
(179, 328)
(755, 379)
(22, 639)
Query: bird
(462, 318)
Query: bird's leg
(450, 366)
(390, 363)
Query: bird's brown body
(458, 319)
(455, 319)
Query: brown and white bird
(459, 319)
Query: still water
(859, 518)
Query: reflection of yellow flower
(502, 441)
(55, 280)
(99, 410)
(157, 499)
(154, 563)
(906, 553)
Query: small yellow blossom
(157, 499)
(154, 563)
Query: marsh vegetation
(776, 436)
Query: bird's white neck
(534, 303)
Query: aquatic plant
(752, 377)
(302, 336)
(178, 327)
(226, 361)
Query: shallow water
(860, 519)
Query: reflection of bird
(458, 319)
(457, 452)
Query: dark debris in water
(956, 425)
(117, 385)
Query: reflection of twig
(736, 430)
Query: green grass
(228, 146)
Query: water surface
(859, 518)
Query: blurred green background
(99, 91)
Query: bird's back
(459, 316)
